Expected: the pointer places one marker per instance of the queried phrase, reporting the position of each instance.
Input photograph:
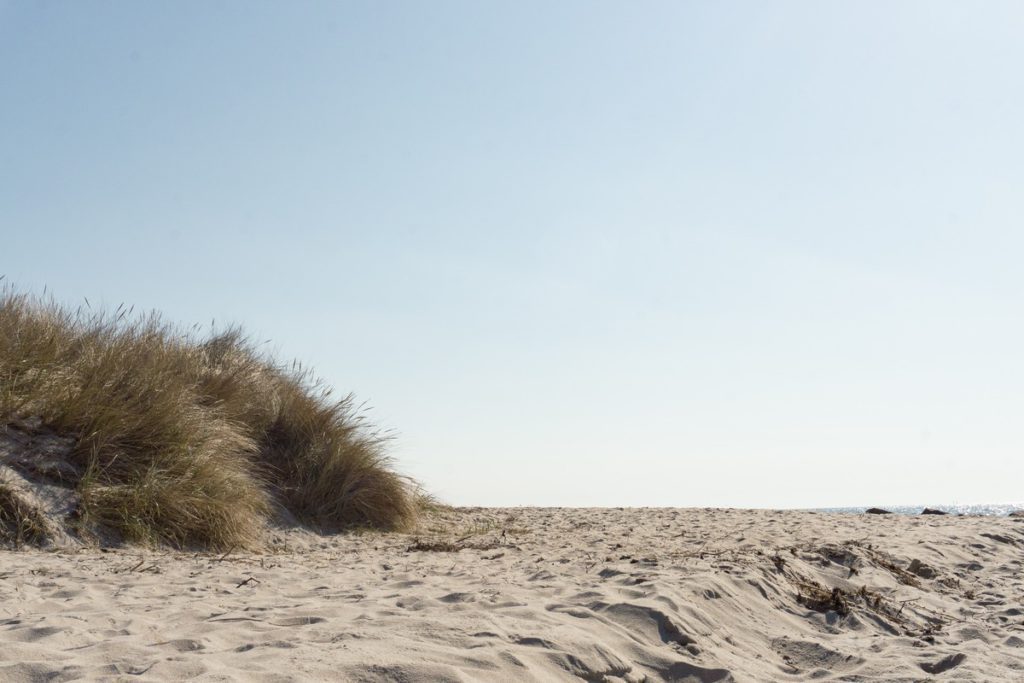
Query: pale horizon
(657, 255)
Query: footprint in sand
(808, 655)
(33, 633)
(279, 644)
(682, 671)
(944, 664)
(182, 645)
(298, 621)
(412, 603)
(644, 623)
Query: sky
(586, 253)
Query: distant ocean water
(990, 509)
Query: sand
(539, 594)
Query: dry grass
(189, 441)
(20, 522)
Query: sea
(987, 509)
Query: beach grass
(190, 440)
(20, 523)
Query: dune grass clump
(190, 441)
(330, 466)
(20, 522)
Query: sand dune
(539, 594)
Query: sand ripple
(540, 594)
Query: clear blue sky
(575, 253)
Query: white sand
(564, 594)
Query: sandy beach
(289, 286)
(538, 594)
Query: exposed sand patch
(540, 594)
